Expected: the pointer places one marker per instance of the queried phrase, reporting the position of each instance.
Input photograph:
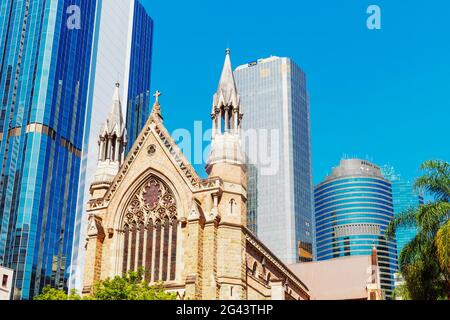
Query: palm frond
(430, 216)
(407, 218)
(415, 250)
(425, 261)
(443, 246)
(435, 180)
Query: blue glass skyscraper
(138, 108)
(404, 198)
(44, 75)
(56, 84)
(353, 208)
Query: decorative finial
(156, 107)
(157, 95)
(228, 51)
(117, 84)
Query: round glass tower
(353, 208)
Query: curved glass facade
(352, 214)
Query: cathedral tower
(227, 161)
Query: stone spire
(112, 142)
(114, 122)
(226, 95)
(226, 115)
(226, 102)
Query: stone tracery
(154, 201)
(150, 231)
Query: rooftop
(355, 167)
(336, 279)
(256, 62)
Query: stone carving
(195, 212)
(151, 150)
(92, 227)
(153, 201)
(95, 228)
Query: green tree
(131, 286)
(49, 293)
(425, 261)
(401, 292)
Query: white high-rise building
(275, 100)
(122, 53)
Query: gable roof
(154, 126)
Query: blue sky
(382, 95)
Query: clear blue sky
(383, 94)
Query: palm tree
(425, 261)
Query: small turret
(112, 142)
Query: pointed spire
(226, 116)
(114, 122)
(226, 102)
(113, 136)
(226, 94)
(112, 141)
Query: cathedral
(150, 209)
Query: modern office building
(122, 54)
(353, 208)
(44, 76)
(404, 197)
(274, 96)
(50, 56)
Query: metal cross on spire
(157, 95)
(156, 107)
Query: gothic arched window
(150, 227)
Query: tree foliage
(49, 293)
(131, 286)
(425, 260)
(401, 293)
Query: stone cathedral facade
(150, 209)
